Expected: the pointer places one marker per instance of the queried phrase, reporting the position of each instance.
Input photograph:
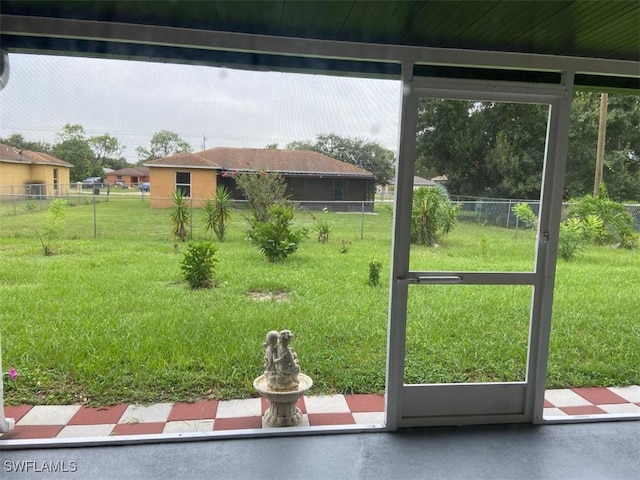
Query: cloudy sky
(236, 108)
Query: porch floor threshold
(80, 421)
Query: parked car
(93, 182)
(145, 186)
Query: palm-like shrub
(433, 216)
(181, 215)
(218, 212)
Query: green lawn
(109, 320)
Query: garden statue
(281, 362)
(282, 384)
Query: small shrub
(218, 212)
(374, 272)
(181, 216)
(274, 237)
(617, 222)
(198, 264)
(322, 228)
(262, 189)
(525, 215)
(573, 238)
(345, 245)
(433, 216)
(31, 206)
(57, 211)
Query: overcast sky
(232, 108)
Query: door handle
(426, 279)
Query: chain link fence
(104, 212)
(22, 199)
(499, 212)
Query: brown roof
(17, 155)
(301, 162)
(131, 171)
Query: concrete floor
(608, 450)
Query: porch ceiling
(600, 29)
(598, 40)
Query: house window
(339, 191)
(183, 183)
(55, 179)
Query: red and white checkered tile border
(77, 421)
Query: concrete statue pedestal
(282, 383)
(282, 411)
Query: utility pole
(602, 133)
(204, 142)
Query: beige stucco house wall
(163, 184)
(20, 168)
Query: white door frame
(508, 402)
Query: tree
(621, 170)
(368, 155)
(18, 141)
(497, 149)
(73, 147)
(107, 149)
(163, 144)
(484, 148)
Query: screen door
(472, 275)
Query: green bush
(274, 236)
(572, 238)
(322, 228)
(218, 212)
(433, 216)
(198, 264)
(262, 189)
(181, 216)
(524, 214)
(617, 222)
(374, 272)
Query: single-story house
(129, 176)
(310, 176)
(24, 172)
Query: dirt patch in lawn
(264, 295)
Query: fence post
(509, 215)
(362, 222)
(95, 222)
(13, 199)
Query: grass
(109, 319)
